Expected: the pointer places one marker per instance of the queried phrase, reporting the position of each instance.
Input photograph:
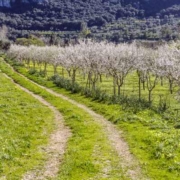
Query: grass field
(25, 125)
(153, 138)
(81, 160)
(129, 88)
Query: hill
(115, 20)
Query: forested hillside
(115, 20)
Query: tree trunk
(149, 96)
(143, 81)
(94, 80)
(100, 77)
(114, 86)
(93, 86)
(88, 82)
(45, 68)
(69, 73)
(119, 90)
(139, 88)
(34, 64)
(73, 77)
(62, 72)
(84, 76)
(162, 81)
(55, 70)
(89, 76)
(28, 63)
(171, 86)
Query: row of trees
(94, 61)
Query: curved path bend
(56, 147)
(128, 162)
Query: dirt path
(128, 161)
(129, 164)
(56, 147)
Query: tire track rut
(128, 162)
(57, 143)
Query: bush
(42, 73)
(65, 83)
(128, 103)
(32, 71)
(4, 45)
(164, 104)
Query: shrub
(65, 83)
(32, 71)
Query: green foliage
(96, 94)
(32, 71)
(32, 40)
(4, 45)
(66, 84)
(42, 73)
(164, 104)
(141, 19)
(177, 125)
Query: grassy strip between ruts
(89, 154)
(152, 137)
(25, 125)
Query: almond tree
(18, 52)
(140, 66)
(169, 64)
(71, 60)
(151, 71)
(93, 61)
(48, 55)
(57, 58)
(121, 58)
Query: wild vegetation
(114, 20)
(153, 75)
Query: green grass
(130, 87)
(89, 154)
(25, 125)
(151, 136)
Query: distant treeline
(102, 18)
